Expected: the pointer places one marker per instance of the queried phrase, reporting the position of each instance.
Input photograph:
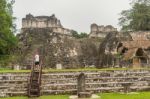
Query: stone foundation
(12, 84)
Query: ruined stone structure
(101, 31)
(140, 36)
(44, 22)
(125, 49)
(12, 84)
(137, 50)
(107, 56)
(58, 50)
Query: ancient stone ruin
(44, 22)
(125, 50)
(101, 31)
(61, 50)
(58, 48)
(136, 50)
(15, 84)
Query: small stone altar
(81, 89)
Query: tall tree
(7, 39)
(137, 18)
(147, 2)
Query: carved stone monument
(81, 89)
(81, 82)
(82, 93)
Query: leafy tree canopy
(7, 39)
(137, 18)
(78, 36)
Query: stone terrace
(66, 82)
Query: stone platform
(15, 84)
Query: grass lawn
(140, 95)
(42, 97)
(69, 70)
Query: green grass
(140, 95)
(13, 71)
(42, 97)
(91, 69)
(69, 70)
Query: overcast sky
(73, 14)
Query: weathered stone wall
(12, 84)
(101, 31)
(54, 43)
(118, 49)
(140, 35)
(40, 21)
(56, 49)
(108, 55)
(66, 82)
(52, 22)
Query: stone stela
(81, 91)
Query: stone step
(141, 87)
(95, 83)
(5, 81)
(59, 74)
(96, 78)
(16, 93)
(4, 87)
(67, 84)
(65, 90)
(94, 89)
(126, 77)
(63, 79)
(104, 88)
(102, 83)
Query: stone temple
(101, 31)
(55, 44)
(44, 22)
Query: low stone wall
(66, 82)
(12, 84)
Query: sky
(73, 14)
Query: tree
(137, 18)
(147, 2)
(78, 36)
(7, 39)
(75, 34)
(83, 35)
